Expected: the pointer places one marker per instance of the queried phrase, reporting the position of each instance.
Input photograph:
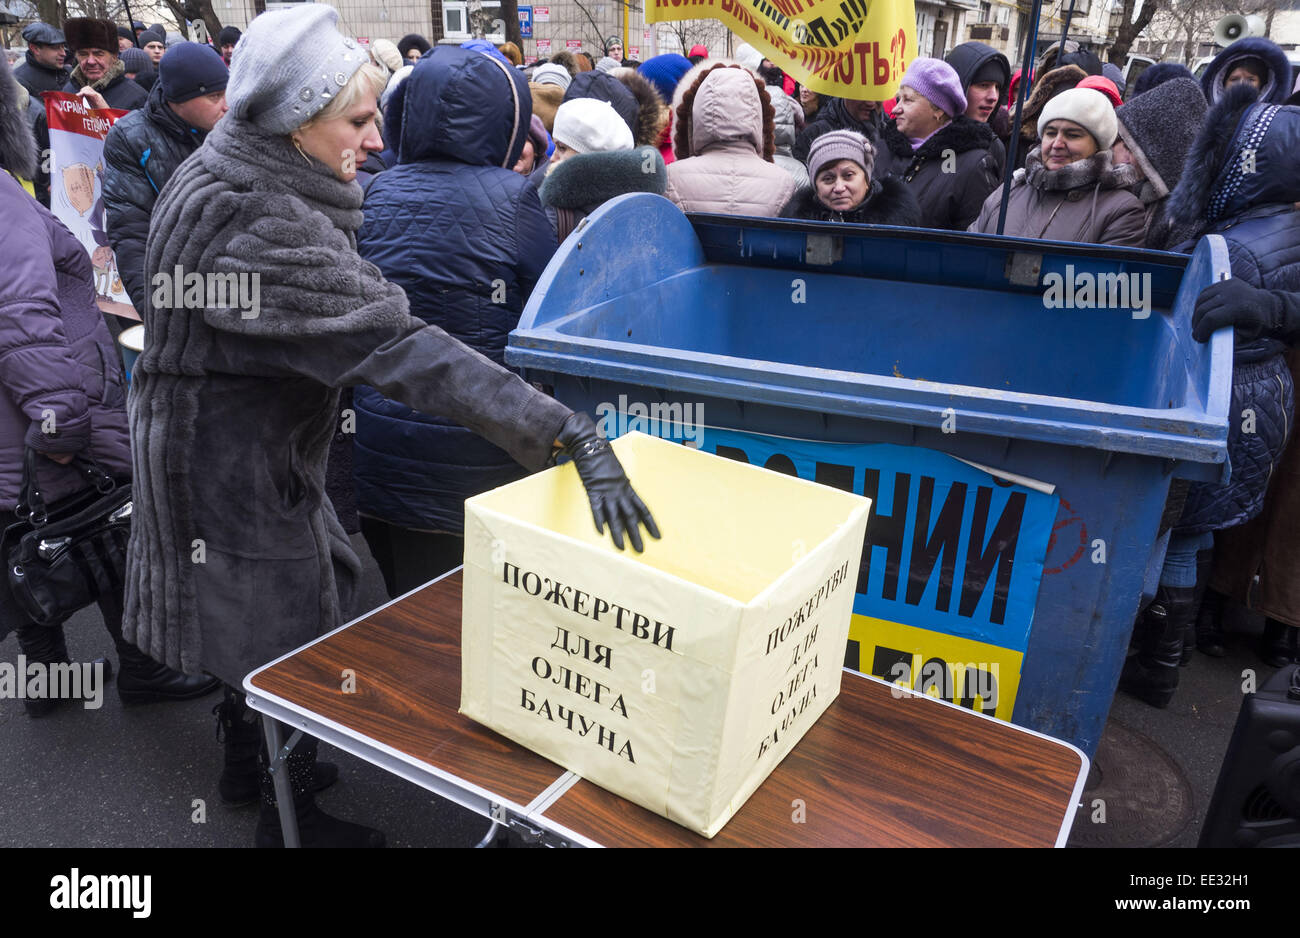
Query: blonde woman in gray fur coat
(236, 557)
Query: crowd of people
(399, 204)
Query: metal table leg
(279, 769)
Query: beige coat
(1099, 211)
(721, 142)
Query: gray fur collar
(115, 71)
(1096, 170)
(250, 159)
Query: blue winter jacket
(1251, 204)
(467, 239)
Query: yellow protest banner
(855, 49)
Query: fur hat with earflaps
(651, 115)
(17, 145)
(1242, 157)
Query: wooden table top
(878, 769)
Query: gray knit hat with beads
(288, 65)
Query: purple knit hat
(937, 81)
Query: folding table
(883, 766)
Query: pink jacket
(721, 140)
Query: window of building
(985, 10)
(455, 20)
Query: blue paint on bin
(898, 329)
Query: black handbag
(63, 558)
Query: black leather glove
(612, 500)
(1251, 311)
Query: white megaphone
(1236, 26)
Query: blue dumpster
(1019, 450)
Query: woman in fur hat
(1156, 130)
(1241, 181)
(840, 164)
(232, 409)
(1070, 188)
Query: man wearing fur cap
(94, 43)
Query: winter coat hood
(1275, 90)
(890, 202)
(725, 105)
(588, 180)
(464, 106)
(1246, 155)
(969, 57)
(17, 145)
(605, 87)
(651, 114)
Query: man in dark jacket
(467, 239)
(44, 69)
(863, 117)
(985, 74)
(143, 149)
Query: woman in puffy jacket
(466, 238)
(1071, 189)
(724, 140)
(1240, 182)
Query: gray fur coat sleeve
(323, 312)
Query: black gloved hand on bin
(613, 501)
(1251, 311)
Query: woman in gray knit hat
(236, 557)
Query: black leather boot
(315, 827)
(239, 729)
(1212, 628)
(1151, 675)
(140, 679)
(1278, 644)
(43, 643)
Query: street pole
(1065, 31)
(1031, 42)
(626, 17)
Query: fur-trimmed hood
(890, 202)
(961, 134)
(651, 115)
(17, 145)
(1246, 155)
(1278, 86)
(588, 180)
(724, 104)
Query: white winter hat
(590, 126)
(1088, 108)
(748, 56)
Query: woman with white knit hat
(1070, 188)
(236, 556)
